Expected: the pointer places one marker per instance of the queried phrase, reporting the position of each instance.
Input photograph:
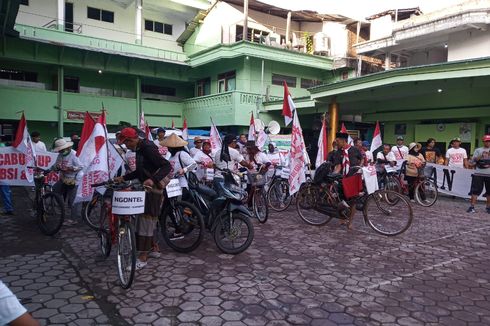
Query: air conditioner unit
(321, 44)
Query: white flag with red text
(321, 156)
(214, 138)
(185, 131)
(377, 141)
(251, 129)
(261, 139)
(297, 163)
(23, 144)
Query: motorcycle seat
(206, 191)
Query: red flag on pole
(377, 141)
(251, 128)
(288, 106)
(23, 144)
(88, 126)
(350, 141)
(185, 131)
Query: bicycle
(425, 187)
(181, 223)
(118, 228)
(257, 183)
(49, 206)
(318, 203)
(91, 209)
(278, 196)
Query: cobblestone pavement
(293, 274)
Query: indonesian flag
(88, 127)
(288, 107)
(377, 141)
(185, 130)
(95, 161)
(298, 162)
(350, 141)
(251, 129)
(148, 132)
(321, 156)
(173, 124)
(23, 144)
(214, 138)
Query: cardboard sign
(173, 188)
(128, 202)
(285, 173)
(209, 174)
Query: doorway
(68, 17)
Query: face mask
(66, 152)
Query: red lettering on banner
(8, 174)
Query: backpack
(322, 172)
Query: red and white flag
(143, 125)
(377, 141)
(214, 138)
(261, 139)
(148, 132)
(350, 141)
(251, 129)
(88, 127)
(297, 163)
(95, 161)
(173, 124)
(322, 154)
(23, 144)
(185, 131)
(288, 107)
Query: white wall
(38, 13)
(435, 55)
(337, 33)
(469, 44)
(381, 27)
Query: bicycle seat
(206, 191)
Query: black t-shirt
(431, 154)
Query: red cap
(486, 138)
(125, 134)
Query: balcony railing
(98, 44)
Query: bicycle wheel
(105, 242)
(91, 211)
(426, 192)
(126, 254)
(278, 196)
(50, 213)
(385, 217)
(259, 203)
(234, 234)
(308, 205)
(182, 226)
(393, 185)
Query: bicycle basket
(352, 186)
(256, 179)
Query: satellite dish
(259, 125)
(274, 127)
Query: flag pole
(106, 140)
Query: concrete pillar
(388, 61)
(288, 28)
(61, 113)
(138, 22)
(333, 112)
(138, 99)
(245, 20)
(61, 15)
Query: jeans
(68, 193)
(6, 198)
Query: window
(158, 27)
(345, 75)
(279, 79)
(18, 75)
(100, 14)
(158, 90)
(24, 2)
(71, 84)
(203, 87)
(307, 83)
(226, 82)
(254, 35)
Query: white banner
(453, 181)
(128, 202)
(13, 162)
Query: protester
(386, 157)
(369, 159)
(274, 157)
(38, 145)
(75, 140)
(400, 151)
(332, 153)
(358, 144)
(197, 146)
(152, 170)
(257, 159)
(242, 142)
(456, 156)
(69, 165)
(160, 138)
(6, 194)
(180, 160)
(12, 312)
(431, 153)
(481, 178)
(204, 161)
(415, 161)
(228, 157)
(346, 156)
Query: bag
(352, 186)
(322, 172)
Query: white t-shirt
(390, 157)
(260, 159)
(194, 150)
(369, 156)
(39, 147)
(188, 163)
(400, 153)
(235, 156)
(456, 157)
(162, 150)
(276, 159)
(10, 307)
(69, 161)
(202, 159)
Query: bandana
(345, 160)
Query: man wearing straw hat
(152, 170)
